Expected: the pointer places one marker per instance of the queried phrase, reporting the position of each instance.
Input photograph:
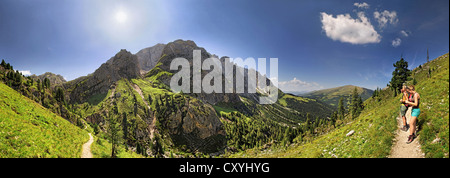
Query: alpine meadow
(224, 79)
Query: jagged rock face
(148, 57)
(197, 126)
(122, 65)
(184, 49)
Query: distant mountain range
(131, 91)
(137, 85)
(134, 90)
(331, 96)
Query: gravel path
(86, 153)
(401, 149)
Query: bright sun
(121, 16)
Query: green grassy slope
(29, 130)
(434, 106)
(373, 138)
(375, 127)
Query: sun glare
(121, 16)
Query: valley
(128, 107)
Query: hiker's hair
(404, 87)
(411, 87)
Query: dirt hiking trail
(401, 149)
(86, 152)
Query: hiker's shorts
(415, 112)
(403, 110)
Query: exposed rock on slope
(184, 49)
(122, 65)
(148, 57)
(195, 125)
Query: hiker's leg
(412, 125)
(404, 120)
(403, 110)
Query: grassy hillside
(305, 105)
(272, 124)
(433, 120)
(331, 96)
(376, 126)
(374, 130)
(29, 130)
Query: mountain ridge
(331, 96)
(152, 116)
(122, 65)
(181, 118)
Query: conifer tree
(360, 106)
(157, 148)
(356, 104)
(114, 134)
(8, 66)
(60, 95)
(39, 85)
(334, 117)
(341, 109)
(399, 75)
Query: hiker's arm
(416, 101)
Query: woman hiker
(404, 107)
(414, 103)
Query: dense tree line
(245, 132)
(355, 107)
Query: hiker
(414, 103)
(404, 107)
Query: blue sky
(318, 43)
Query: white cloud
(397, 42)
(362, 5)
(25, 72)
(296, 85)
(404, 33)
(346, 29)
(385, 17)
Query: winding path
(401, 149)
(86, 152)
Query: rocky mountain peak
(148, 57)
(122, 65)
